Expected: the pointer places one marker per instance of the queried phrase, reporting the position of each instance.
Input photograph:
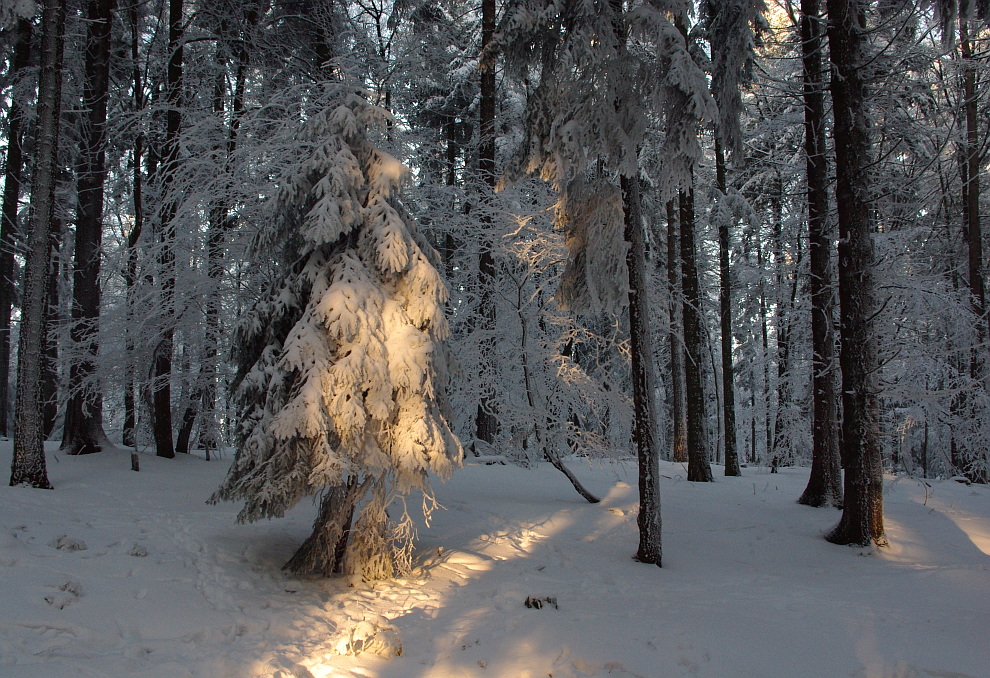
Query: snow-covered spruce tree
(340, 379)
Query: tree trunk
(725, 322)
(486, 419)
(643, 379)
(49, 378)
(540, 430)
(11, 196)
(862, 514)
(825, 483)
(971, 195)
(323, 551)
(765, 355)
(130, 267)
(676, 339)
(162, 368)
(28, 465)
(699, 466)
(83, 432)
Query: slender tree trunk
(11, 197)
(540, 430)
(486, 419)
(780, 320)
(83, 432)
(725, 321)
(28, 465)
(643, 379)
(676, 339)
(699, 466)
(862, 513)
(162, 369)
(765, 346)
(53, 321)
(130, 267)
(971, 193)
(825, 483)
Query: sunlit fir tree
(341, 371)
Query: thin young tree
(161, 388)
(731, 26)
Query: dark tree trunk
(725, 322)
(11, 196)
(184, 435)
(676, 339)
(862, 513)
(82, 432)
(486, 420)
(216, 243)
(323, 551)
(130, 267)
(699, 466)
(765, 346)
(643, 380)
(825, 483)
(971, 194)
(28, 465)
(50, 380)
(162, 368)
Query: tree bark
(486, 419)
(971, 195)
(725, 321)
(862, 514)
(130, 267)
(699, 466)
(643, 380)
(11, 197)
(825, 482)
(83, 428)
(676, 339)
(28, 465)
(324, 550)
(162, 368)
(50, 379)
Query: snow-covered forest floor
(117, 573)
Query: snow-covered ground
(117, 573)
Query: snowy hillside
(117, 573)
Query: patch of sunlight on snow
(905, 546)
(461, 567)
(977, 531)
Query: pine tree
(862, 514)
(13, 174)
(83, 429)
(341, 373)
(825, 481)
(28, 465)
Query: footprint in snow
(68, 593)
(66, 543)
